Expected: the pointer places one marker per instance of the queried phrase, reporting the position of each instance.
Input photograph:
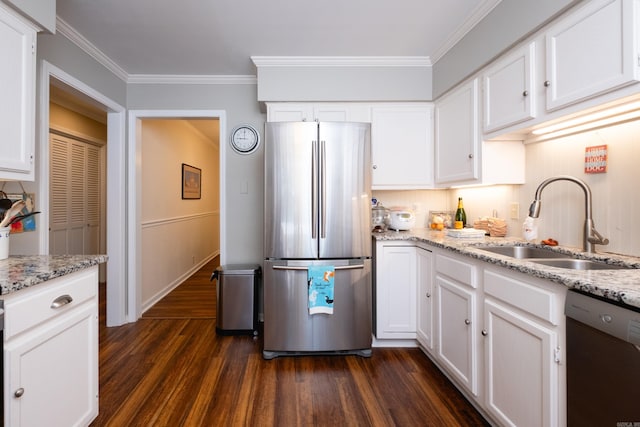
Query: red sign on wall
(595, 159)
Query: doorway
(117, 310)
(77, 168)
(135, 218)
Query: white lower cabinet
(426, 297)
(457, 348)
(51, 352)
(395, 290)
(523, 355)
(519, 368)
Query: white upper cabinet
(402, 146)
(508, 85)
(591, 51)
(17, 102)
(457, 135)
(321, 112)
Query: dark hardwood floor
(171, 369)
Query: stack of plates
(465, 232)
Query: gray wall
(504, 26)
(42, 12)
(344, 83)
(62, 53)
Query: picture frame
(191, 182)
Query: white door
(457, 331)
(75, 196)
(520, 368)
(425, 298)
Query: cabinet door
(17, 96)
(330, 113)
(508, 89)
(520, 369)
(425, 298)
(288, 112)
(457, 344)
(52, 374)
(591, 51)
(457, 135)
(402, 146)
(396, 292)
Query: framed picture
(191, 182)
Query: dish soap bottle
(461, 216)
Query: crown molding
(481, 11)
(341, 61)
(78, 39)
(192, 79)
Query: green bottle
(460, 220)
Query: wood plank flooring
(175, 371)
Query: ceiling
(218, 37)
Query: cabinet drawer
(458, 270)
(29, 307)
(536, 301)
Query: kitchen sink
(523, 252)
(578, 264)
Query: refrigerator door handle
(314, 190)
(323, 182)
(338, 267)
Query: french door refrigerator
(317, 215)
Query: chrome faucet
(590, 237)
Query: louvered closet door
(74, 187)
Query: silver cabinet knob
(428, 295)
(484, 333)
(471, 156)
(19, 392)
(375, 166)
(467, 321)
(525, 93)
(547, 83)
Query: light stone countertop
(620, 285)
(22, 271)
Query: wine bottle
(461, 216)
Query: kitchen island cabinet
(50, 340)
(18, 100)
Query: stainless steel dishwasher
(603, 362)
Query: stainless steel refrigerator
(317, 213)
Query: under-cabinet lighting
(606, 117)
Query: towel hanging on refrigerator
(320, 282)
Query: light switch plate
(514, 210)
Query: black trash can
(237, 298)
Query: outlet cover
(514, 210)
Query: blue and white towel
(320, 279)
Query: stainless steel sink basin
(523, 252)
(578, 264)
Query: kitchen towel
(320, 281)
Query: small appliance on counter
(379, 217)
(401, 219)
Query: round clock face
(245, 139)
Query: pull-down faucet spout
(590, 237)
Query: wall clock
(244, 139)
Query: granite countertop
(620, 285)
(21, 271)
